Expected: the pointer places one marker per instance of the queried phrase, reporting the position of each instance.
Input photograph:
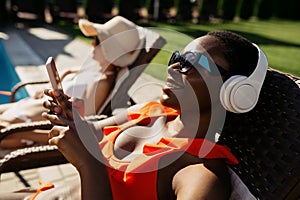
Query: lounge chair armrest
(66, 73)
(29, 157)
(19, 127)
(45, 124)
(20, 85)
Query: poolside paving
(28, 47)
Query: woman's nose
(173, 70)
(174, 66)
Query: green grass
(279, 39)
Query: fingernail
(56, 109)
(47, 91)
(56, 93)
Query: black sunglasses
(191, 60)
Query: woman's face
(98, 54)
(185, 91)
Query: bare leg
(19, 139)
(4, 107)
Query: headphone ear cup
(239, 94)
(226, 90)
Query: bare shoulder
(207, 180)
(190, 177)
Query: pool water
(8, 78)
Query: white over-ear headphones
(239, 94)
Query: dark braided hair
(240, 53)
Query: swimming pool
(8, 77)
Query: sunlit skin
(98, 55)
(104, 87)
(188, 177)
(177, 85)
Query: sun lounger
(46, 155)
(266, 141)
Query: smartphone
(55, 79)
(53, 74)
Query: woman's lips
(167, 93)
(167, 90)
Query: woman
(163, 150)
(93, 83)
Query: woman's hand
(60, 108)
(82, 150)
(77, 141)
(69, 144)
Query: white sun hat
(121, 40)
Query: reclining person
(166, 149)
(93, 83)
